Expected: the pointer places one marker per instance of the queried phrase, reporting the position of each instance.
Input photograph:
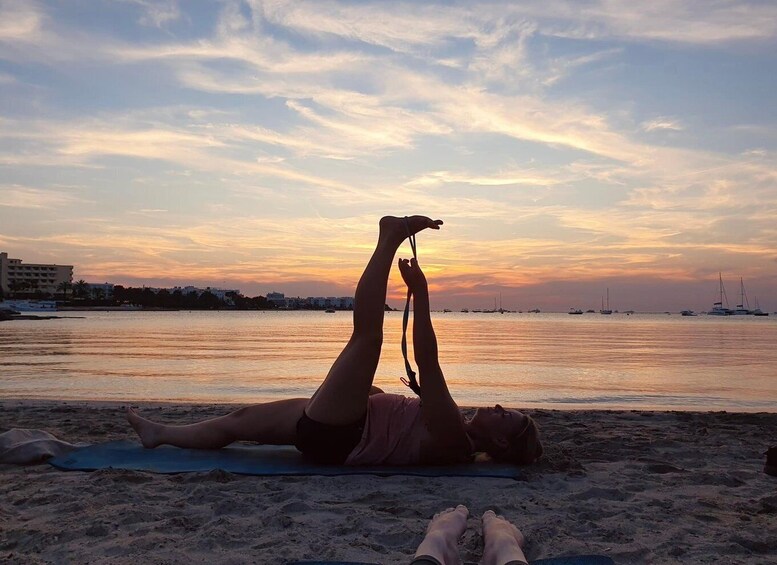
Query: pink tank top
(392, 434)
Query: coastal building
(283, 302)
(100, 290)
(279, 300)
(17, 276)
(225, 295)
(339, 302)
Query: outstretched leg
(503, 541)
(442, 537)
(271, 423)
(342, 397)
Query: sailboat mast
(722, 291)
(742, 296)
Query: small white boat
(757, 310)
(575, 311)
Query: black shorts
(325, 443)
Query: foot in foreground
(442, 535)
(503, 541)
(146, 429)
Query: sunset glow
(569, 147)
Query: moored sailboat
(717, 307)
(606, 310)
(740, 310)
(757, 310)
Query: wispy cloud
(158, 13)
(16, 196)
(20, 20)
(662, 124)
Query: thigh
(342, 397)
(271, 423)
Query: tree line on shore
(82, 293)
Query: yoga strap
(410, 381)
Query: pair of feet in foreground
(503, 541)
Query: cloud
(158, 13)
(662, 124)
(508, 178)
(17, 196)
(20, 21)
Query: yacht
(757, 310)
(740, 310)
(575, 311)
(607, 310)
(717, 307)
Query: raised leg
(503, 541)
(442, 536)
(342, 397)
(271, 423)
(441, 414)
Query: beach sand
(641, 487)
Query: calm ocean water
(531, 360)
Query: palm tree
(64, 286)
(81, 288)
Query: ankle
(502, 547)
(439, 545)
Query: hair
(523, 448)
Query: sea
(529, 360)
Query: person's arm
(441, 414)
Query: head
(506, 435)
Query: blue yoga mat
(249, 460)
(572, 560)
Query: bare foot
(442, 535)
(146, 429)
(395, 230)
(503, 541)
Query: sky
(569, 146)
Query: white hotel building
(45, 278)
(288, 303)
